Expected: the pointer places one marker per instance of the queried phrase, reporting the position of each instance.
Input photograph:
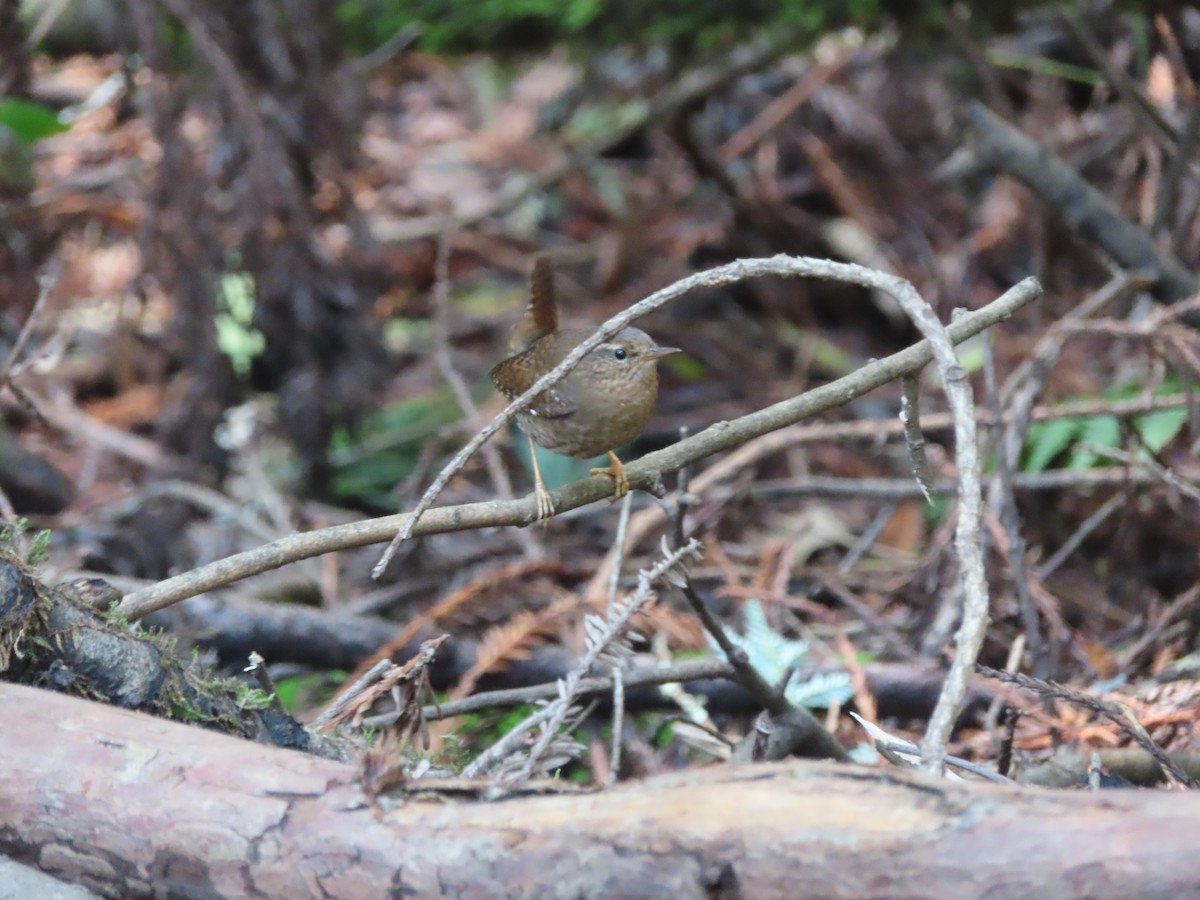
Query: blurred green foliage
(28, 121)
(385, 448)
(512, 26)
(22, 124)
(236, 335)
(11, 531)
(1062, 443)
(309, 690)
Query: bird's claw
(617, 473)
(545, 503)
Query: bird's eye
(620, 353)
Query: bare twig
(1002, 500)
(1090, 524)
(1174, 609)
(258, 668)
(681, 672)
(462, 394)
(871, 533)
(905, 489)
(618, 724)
(766, 694)
(46, 284)
(906, 754)
(550, 717)
(771, 697)
(876, 622)
(1018, 397)
(914, 440)
(1016, 653)
(1029, 378)
(967, 539)
(61, 413)
(1167, 476)
(619, 551)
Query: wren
(601, 404)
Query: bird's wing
(514, 376)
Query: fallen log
(127, 804)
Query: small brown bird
(601, 404)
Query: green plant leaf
(1048, 439)
(1103, 431)
(821, 691)
(1157, 429)
(30, 122)
(385, 448)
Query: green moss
(247, 697)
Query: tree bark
(127, 805)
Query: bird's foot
(545, 503)
(617, 472)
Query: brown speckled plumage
(602, 404)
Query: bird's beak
(659, 352)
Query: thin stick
(871, 533)
(967, 540)
(1011, 664)
(46, 285)
(1090, 524)
(1180, 604)
(914, 440)
(445, 364)
(676, 673)
(1116, 713)
(258, 667)
(1002, 500)
(618, 724)
(619, 551)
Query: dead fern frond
(512, 640)
(453, 604)
(406, 683)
